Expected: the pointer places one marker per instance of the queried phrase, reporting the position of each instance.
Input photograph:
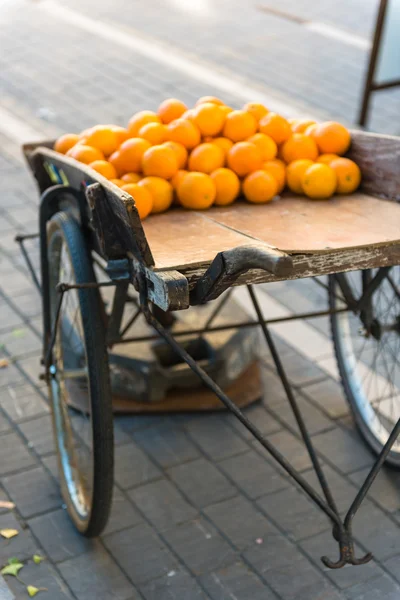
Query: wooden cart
(180, 259)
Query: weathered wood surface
(378, 157)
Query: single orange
(161, 192)
(301, 125)
(295, 172)
(66, 142)
(260, 187)
(131, 177)
(239, 125)
(128, 159)
(206, 158)
(227, 185)
(155, 133)
(196, 191)
(103, 138)
(121, 133)
(180, 152)
(142, 197)
(223, 143)
(319, 181)
(332, 138)
(326, 159)
(266, 145)
(348, 175)
(159, 161)
(184, 132)
(299, 146)
(243, 158)
(141, 118)
(171, 109)
(276, 127)
(209, 118)
(118, 182)
(85, 154)
(226, 109)
(277, 169)
(104, 168)
(211, 99)
(256, 109)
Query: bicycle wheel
(79, 377)
(369, 357)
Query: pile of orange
(211, 154)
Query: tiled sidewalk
(199, 510)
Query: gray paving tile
(329, 396)
(176, 584)
(253, 474)
(23, 402)
(96, 575)
(236, 581)
(123, 513)
(167, 444)
(42, 576)
(385, 490)
(22, 545)
(376, 531)
(344, 449)
(383, 587)
(162, 504)
(292, 448)
(133, 467)
(141, 553)
(199, 546)
(39, 433)
(202, 483)
(342, 490)
(214, 436)
(45, 496)
(314, 419)
(258, 415)
(14, 454)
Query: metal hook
(347, 556)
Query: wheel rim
(371, 359)
(69, 384)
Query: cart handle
(227, 266)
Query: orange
(301, 125)
(223, 143)
(239, 125)
(265, 144)
(85, 154)
(131, 177)
(348, 175)
(277, 169)
(128, 159)
(189, 114)
(161, 192)
(260, 187)
(142, 197)
(310, 130)
(103, 138)
(211, 99)
(160, 161)
(299, 146)
(319, 181)
(196, 191)
(332, 138)
(326, 159)
(206, 158)
(276, 127)
(141, 118)
(121, 133)
(171, 109)
(257, 110)
(227, 185)
(178, 177)
(184, 132)
(226, 109)
(104, 168)
(243, 158)
(118, 182)
(209, 118)
(66, 142)
(180, 152)
(155, 133)
(295, 172)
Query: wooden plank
(378, 157)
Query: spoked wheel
(79, 384)
(367, 348)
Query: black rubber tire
(65, 229)
(393, 459)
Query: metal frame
(122, 272)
